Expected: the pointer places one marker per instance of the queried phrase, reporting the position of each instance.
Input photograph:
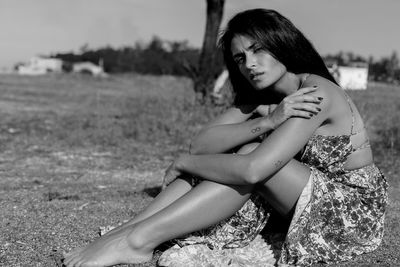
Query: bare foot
(110, 249)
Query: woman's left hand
(170, 174)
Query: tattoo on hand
(278, 163)
(255, 130)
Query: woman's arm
(234, 127)
(230, 130)
(269, 157)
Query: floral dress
(340, 213)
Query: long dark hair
(277, 35)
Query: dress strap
(352, 114)
(366, 144)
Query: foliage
(158, 57)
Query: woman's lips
(255, 75)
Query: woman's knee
(248, 148)
(283, 189)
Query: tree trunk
(207, 70)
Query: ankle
(139, 240)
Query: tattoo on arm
(278, 163)
(256, 130)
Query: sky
(42, 27)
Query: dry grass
(79, 152)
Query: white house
(354, 76)
(39, 66)
(88, 67)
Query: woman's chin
(259, 87)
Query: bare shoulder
(323, 84)
(326, 89)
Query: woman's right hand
(299, 104)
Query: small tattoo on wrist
(255, 130)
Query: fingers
(303, 98)
(168, 178)
(263, 110)
(307, 107)
(163, 186)
(302, 114)
(301, 109)
(272, 107)
(306, 90)
(164, 183)
(70, 255)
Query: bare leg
(283, 189)
(204, 205)
(196, 211)
(173, 192)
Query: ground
(78, 153)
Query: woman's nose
(250, 62)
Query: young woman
(312, 163)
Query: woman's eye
(239, 61)
(257, 49)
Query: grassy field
(79, 152)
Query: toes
(72, 253)
(70, 261)
(68, 257)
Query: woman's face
(256, 64)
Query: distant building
(39, 66)
(354, 76)
(42, 65)
(88, 67)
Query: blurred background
(166, 37)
